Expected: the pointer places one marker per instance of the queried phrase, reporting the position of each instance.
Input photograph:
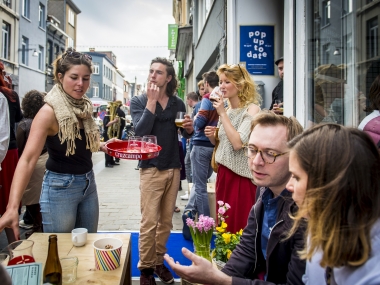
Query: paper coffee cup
(107, 253)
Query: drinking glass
(21, 252)
(69, 269)
(179, 119)
(280, 105)
(149, 143)
(134, 144)
(4, 258)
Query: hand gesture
(188, 124)
(278, 107)
(218, 104)
(10, 220)
(152, 92)
(201, 271)
(210, 132)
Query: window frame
(41, 58)
(41, 16)
(26, 8)
(6, 40)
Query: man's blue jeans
(69, 201)
(201, 170)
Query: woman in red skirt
(11, 158)
(234, 182)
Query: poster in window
(257, 49)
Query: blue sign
(257, 49)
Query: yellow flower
(222, 228)
(229, 254)
(241, 232)
(226, 237)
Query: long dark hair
(171, 87)
(342, 199)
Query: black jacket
(278, 93)
(283, 265)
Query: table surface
(87, 273)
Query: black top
(161, 124)
(79, 163)
(15, 116)
(278, 93)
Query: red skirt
(8, 167)
(237, 191)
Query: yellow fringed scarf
(67, 111)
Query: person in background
(338, 193)
(201, 155)
(4, 130)
(371, 123)
(278, 91)
(120, 113)
(109, 160)
(154, 113)
(11, 158)
(31, 104)
(69, 197)
(191, 100)
(201, 89)
(264, 256)
(234, 182)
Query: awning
(184, 40)
(96, 102)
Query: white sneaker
(24, 226)
(185, 197)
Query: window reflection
(343, 48)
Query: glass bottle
(53, 269)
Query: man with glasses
(264, 252)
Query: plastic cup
(21, 252)
(4, 258)
(134, 144)
(69, 269)
(107, 253)
(179, 119)
(149, 143)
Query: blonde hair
(342, 199)
(240, 77)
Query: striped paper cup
(107, 253)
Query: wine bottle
(53, 269)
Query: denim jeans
(201, 170)
(188, 164)
(69, 201)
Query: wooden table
(87, 274)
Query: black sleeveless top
(79, 163)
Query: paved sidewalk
(119, 196)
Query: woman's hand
(103, 147)
(218, 104)
(188, 124)
(210, 132)
(10, 220)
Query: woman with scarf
(69, 197)
(9, 163)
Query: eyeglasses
(75, 54)
(234, 65)
(267, 156)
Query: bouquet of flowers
(225, 242)
(201, 232)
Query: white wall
(256, 12)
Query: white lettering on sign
(128, 155)
(259, 45)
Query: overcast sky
(121, 25)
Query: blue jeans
(201, 170)
(69, 201)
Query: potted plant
(225, 242)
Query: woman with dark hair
(234, 182)
(69, 197)
(371, 123)
(31, 104)
(336, 184)
(11, 158)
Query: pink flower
(221, 211)
(220, 203)
(190, 222)
(227, 206)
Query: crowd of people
(308, 201)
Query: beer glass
(179, 119)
